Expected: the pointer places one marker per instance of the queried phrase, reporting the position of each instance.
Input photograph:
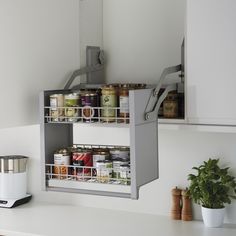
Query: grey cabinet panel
(144, 142)
(143, 137)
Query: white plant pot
(213, 217)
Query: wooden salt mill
(176, 204)
(186, 214)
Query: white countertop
(63, 220)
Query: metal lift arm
(154, 103)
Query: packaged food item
(78, 169)
(61, 162)
(124, 103)
(86, 157)
(117, 163)
(124, 153)
(104, 171)
(120, 152)
(56, 110)
(109, 103)
(89, 103)
(71, 102)
(125, 174)
(100, 155)
(170, 106)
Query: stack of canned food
(110, 103)
(93, 164)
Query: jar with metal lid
(71, 102)
(100, 155)
(124, 152)
(56, 111)
(117, 163)
(120, 152)
(125, 174)
(62, 159)
(78, 169)
(89, 103)
(85, 156)
(104, 171)
(13, 177)
(109, 103)
(124, 103)
(170, 106)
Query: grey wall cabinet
(140, 135)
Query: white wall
(39, 47)
(141, 38)
(91, 26)
(179, 151)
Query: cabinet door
(211, 61)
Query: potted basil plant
(212, 187)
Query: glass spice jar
(170, 105)
(109, 103)
(124, 103)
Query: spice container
(121, 152)
(71, 101)
(61, 162)
(117, 88)
(56, 107)
(108, 103)
(170, 106)
(125, 174)
(86, 157)
(124, 103)
(186, 213)
(104, 171)
(124, 153)
(117, 163)
(100, 155)
(89, 104)
(78, 169)
(176, 204)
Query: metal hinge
(95, 61)
(154, 102)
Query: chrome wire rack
(85, 114)
(88, 174)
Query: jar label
(108, 101)
(124, 104)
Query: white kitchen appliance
(13, 181)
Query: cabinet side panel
(143, 142)
(137, 108)
(144, 153)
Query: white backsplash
(179, 151)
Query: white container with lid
(13, 178)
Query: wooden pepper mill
(176, 204)
(186, 214)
